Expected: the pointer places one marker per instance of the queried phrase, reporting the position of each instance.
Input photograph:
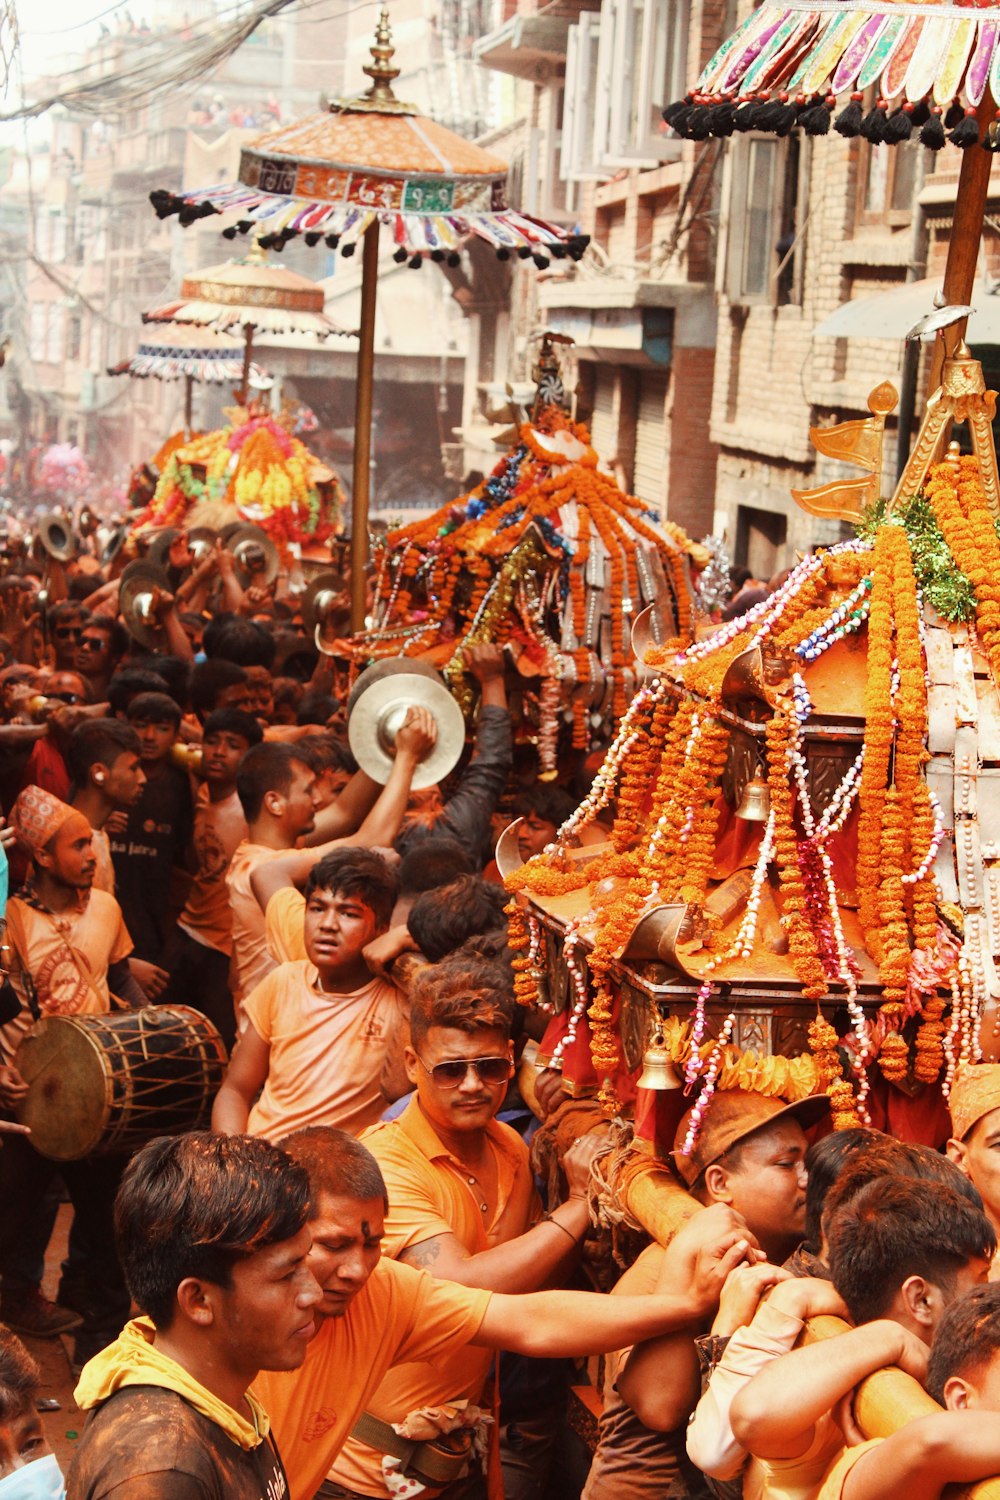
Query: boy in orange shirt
(319, 1029)
(199, 951)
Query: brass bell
(755, 804)
(658, 1072)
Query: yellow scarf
(133, 1359)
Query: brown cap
(974, 1093)
(733, 1114)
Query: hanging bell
(658, 1072)
(755, 804)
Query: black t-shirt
(148, 1443)
(158, 833)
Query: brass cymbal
(507, 854)
(256, 555)
(326, 609)
(114, 544)
(56, 536)
(379, 702)
(158, 551)
(135, 594)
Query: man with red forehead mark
(67, 951)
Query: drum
(102, 1084)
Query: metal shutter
(603, 432)
(650, 470)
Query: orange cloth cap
(975, 1091)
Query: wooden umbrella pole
(188, 397)
(243, 394)
(363, 428)
(963, 246)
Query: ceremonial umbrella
(340, 176)
(922, 66)
(250, 294)
(189, 354)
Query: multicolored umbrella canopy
(370, 163)
(192, 353)
(186, 353)
(895, 69)
(249, 292)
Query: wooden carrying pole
(363, 428)
(244, 391)
(963, 246)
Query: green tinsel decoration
(942, 582)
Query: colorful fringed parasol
(898, 67)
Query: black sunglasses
(65, 697)
(93, 643)
(64, 632)
(448, 1075)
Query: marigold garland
(955, 490)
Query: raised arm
(775, 1415)
(349, 810)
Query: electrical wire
(115, 93)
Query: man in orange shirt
(69, 949)
(319, 1029)
(379, 1313)
(461, 1197)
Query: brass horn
(136, 594)
(56, 537)
(377, 706)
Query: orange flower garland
(955, 490)
(878, 737)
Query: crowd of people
(350, 1286)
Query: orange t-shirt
(832, 1487)
(327, 1051)
(401, 1314)
(67, 957)
(219, 830)
(284, 925)
(251, 960)
(430, 1194)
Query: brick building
(712, 264)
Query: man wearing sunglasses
(462, 1204)
(66, 622)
